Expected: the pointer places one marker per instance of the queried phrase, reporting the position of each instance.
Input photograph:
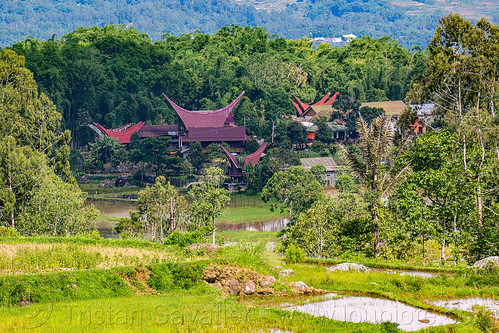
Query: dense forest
(294, 20)
(115, 75)
(394, 191)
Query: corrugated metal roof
(391, 108)
(328, 162)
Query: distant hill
(410, 22)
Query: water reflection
(373, 310)
(122, 209)
(466, 304)
(268, 226)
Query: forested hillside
(114, 75)
(412, 23)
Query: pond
(372, 310)
(122, 209)
(466, 304)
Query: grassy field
(86, 285)
(245, 214)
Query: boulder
(299, 287)
(267, 281)
(232, 287)
(106, 183)
(270, 246)
(494, 260)
(122, 181)
(287, 272)
(201, 247)
(84, 180)
(248, 287)
(349, 266)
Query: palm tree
(373, 168)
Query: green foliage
(115, 75)
(129, 227)
(105, 150)
(208, 199)
(38, 194)
(184, 239)
(296, 189)
(332, 227)
(252, 146)
(196, 156)
(160, 209)
(294, 254)
(31, 259)
(166, 277)
(64, 286)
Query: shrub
(294, 254)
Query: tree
(159, 208)
(324, 133)
(296, 189)
(330, 227)
(379, 176)
(296, 133)
(196, 156)
(56, 208)
(38, 195)
(105, 150)
(208, 199)
(461, 80)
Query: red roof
(203, 119)
(204, 134)
(123, 133)
(255, 157)
(302, 107)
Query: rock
(287, 272)
(210, 277)
(283, 237)
(232, 287)
(348, 266)
(248, 287)
(299, 286)
(494, 260)
(122, 181)
(201, 247)
(267, 281)
(270, 246)
(106, 183)
(84, 180)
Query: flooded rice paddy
(372, 310)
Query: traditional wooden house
(206, 127)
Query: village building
(206, 127)
(328, 162)
(306, 115)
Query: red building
(206, 127)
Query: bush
(8, 232)
(294, 254)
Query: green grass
(198, 311)
(248, 236)
(245, 214)
(411, 290)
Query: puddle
(373, 310)
(466, 304)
